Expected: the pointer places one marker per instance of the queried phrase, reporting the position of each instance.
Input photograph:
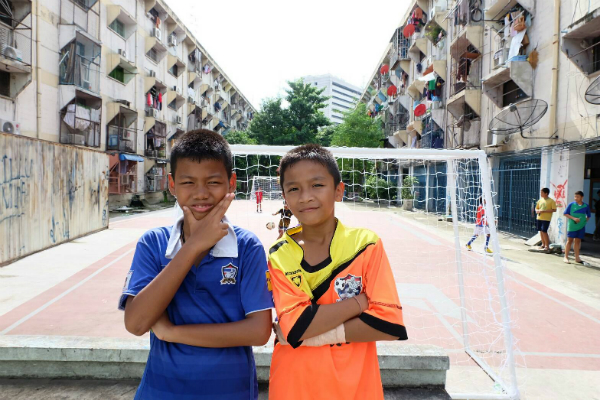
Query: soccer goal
(423, 204)
(269, 185)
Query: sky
(262, 44)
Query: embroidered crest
(297, 280)
(229, 272)
(348, 286)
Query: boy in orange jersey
(333, 288)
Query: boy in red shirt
(481, 227)
(259, 198)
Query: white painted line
(556, 300)
(125, 218)
(66, 292)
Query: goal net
(424, 205)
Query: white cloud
(261, 44)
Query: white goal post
(453, 184)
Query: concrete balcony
(519, 72)
(120, 60)
(153, 81)
(174, 60)
(118, 13)
(159, 48)
(470, 96)
(497, 9)
(418, 47)
(174, 95)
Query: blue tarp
(130, 157)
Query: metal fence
(518, 190)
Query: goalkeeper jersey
(357, 264)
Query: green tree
(304, 112)
(239, 137)
(324, 135)
(358, 129)
(297, 124)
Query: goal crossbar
(364, 152)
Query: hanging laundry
(432, 85)
(149, 99)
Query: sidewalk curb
(56, 357)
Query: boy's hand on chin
(163, 327)
(205, 233)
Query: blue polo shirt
(229, 284)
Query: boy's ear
(232, 183)
(171, 185)
(339, 192)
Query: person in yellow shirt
(544, 208)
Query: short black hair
(546, 190)
(199, 145)
(310, 152)
(579, 192)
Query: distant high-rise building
(342, 95)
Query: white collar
(226, 247)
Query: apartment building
(125, 77)
(516, 78)
(342, 95)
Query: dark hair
(310, 152)
(579, 192)
(199, 145)
(546, 190)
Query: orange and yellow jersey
(357, 264)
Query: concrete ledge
(56, 357)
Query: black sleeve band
(301, 325)
(395, 330)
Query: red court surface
(552, 331)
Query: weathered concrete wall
(49, 194)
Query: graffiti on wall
(49, 194)
(560, 194)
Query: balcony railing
(80, 126)
(465, 72)
(122, 139)
(400, 48)
(122, 183)
(15, 42)
(81, 72)
(433, 135)
(156, 180)
(465, 13)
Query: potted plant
(407, 192)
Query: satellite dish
(592, 94)
(519, 116)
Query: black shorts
(542, 226)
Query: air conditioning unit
(178, 89)
(157, 33)
(126, 134)
(126, 103)
(190, 99)
(152, 112)
(87, 85)
(178, 119)
(7, 126)
(152, 74)
(172, 40)
(500, 57)
(12, 52)
(123, 53)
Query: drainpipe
(38, 69)
(555, 54)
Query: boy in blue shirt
(578, 213)
(200, 284)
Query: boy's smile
(200, 185)
(310, 193)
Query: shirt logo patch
(229, 272)
(269, 284)
(348, 286)
(297, 280)
(127, 280)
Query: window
(118, 27)
(347, 88)
(512, 93)
(4, 84)
(118, 74)
(340, 99)
(341, 106)
(153, 55)
(174, 70)
(173, 105)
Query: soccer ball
(270, 225)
